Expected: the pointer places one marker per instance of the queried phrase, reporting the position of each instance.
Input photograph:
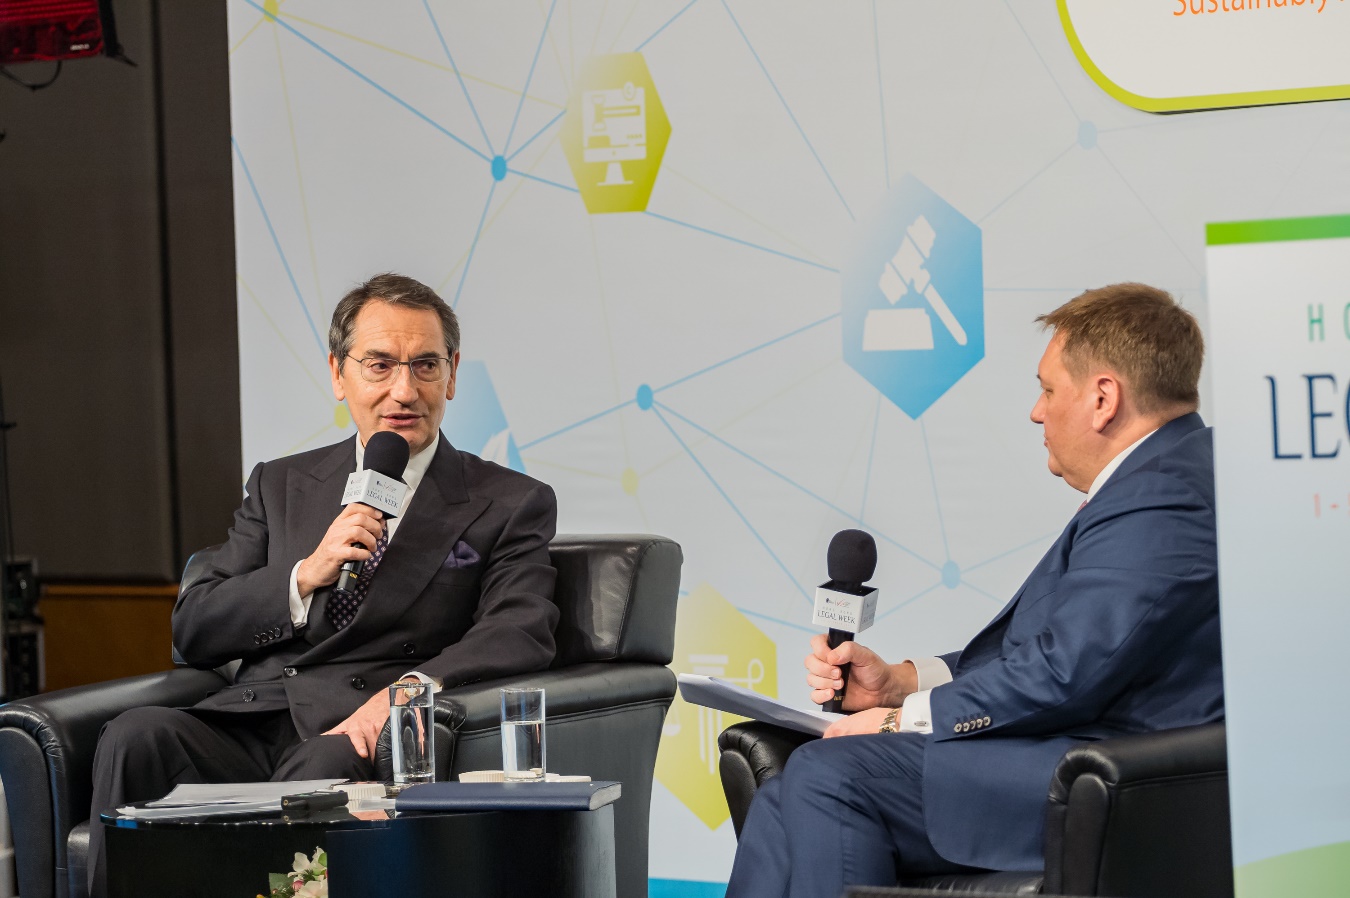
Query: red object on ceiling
(48, 30)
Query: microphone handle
(350, 573)
(836, 704)
(347, 577)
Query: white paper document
(219, 799)
(711, 692)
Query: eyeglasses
(377, 369)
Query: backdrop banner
(740, 272)
(1280, 331)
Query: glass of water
(410, 725)
(523, 750)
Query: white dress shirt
(916, 714)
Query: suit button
(248, 695)
(257, 639)
(409, 648)
(289, 671)
(987, 721)
(957, 728)
(276, 631)
(358, 683)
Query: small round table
(569, 854)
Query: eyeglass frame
(361, 363)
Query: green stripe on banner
(1324, 870)
(1316, 228)
(685, 888)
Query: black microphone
(843, 603)
(379, 485)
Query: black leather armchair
(1143, 815)
(608, 692)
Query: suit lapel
(440, 511)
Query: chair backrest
(614, 595)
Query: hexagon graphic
(912, 297)
(614, 133)
(712, 638)
(475, 421)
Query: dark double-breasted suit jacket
(464, 591)
(1115, 631)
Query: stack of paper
(721, 695)
(222, 799)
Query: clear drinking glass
(410, 725)
(523, 749)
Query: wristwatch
(890, 724)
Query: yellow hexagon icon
(614, 133)
(712, 638)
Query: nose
(403, 387)
(1038, 410)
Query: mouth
(400, 420)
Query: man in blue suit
(948, 761)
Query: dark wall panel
(200, 239)
(111, 357)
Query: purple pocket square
(462, 555)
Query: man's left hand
(365, 724)
(862, 723)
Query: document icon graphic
(887, 330)
(614, 126)
(614, 133)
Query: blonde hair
(1142, 334)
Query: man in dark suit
(456, 588)
(948, 760)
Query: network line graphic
(502, 161)
(686, 368)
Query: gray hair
(397, 290)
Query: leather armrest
(1142, 815)
(752, 753)
(447, 717)
(580, 689)
(47, 747)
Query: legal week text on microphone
(843, 604)
(379, 485)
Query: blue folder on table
(508, 796)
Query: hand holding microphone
(373, 495)
(843, 603)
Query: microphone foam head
(852, 557)
(387, 453)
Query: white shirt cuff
(299, 603)
(916, 713)
(430, 681)
(933, 672)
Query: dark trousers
(845, 811)
(145, 752)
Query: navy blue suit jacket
(1115, 631)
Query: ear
(335, 372)
(454, 370)
(1107, 399)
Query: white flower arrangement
(308, 878)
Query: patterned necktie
(342, 606)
